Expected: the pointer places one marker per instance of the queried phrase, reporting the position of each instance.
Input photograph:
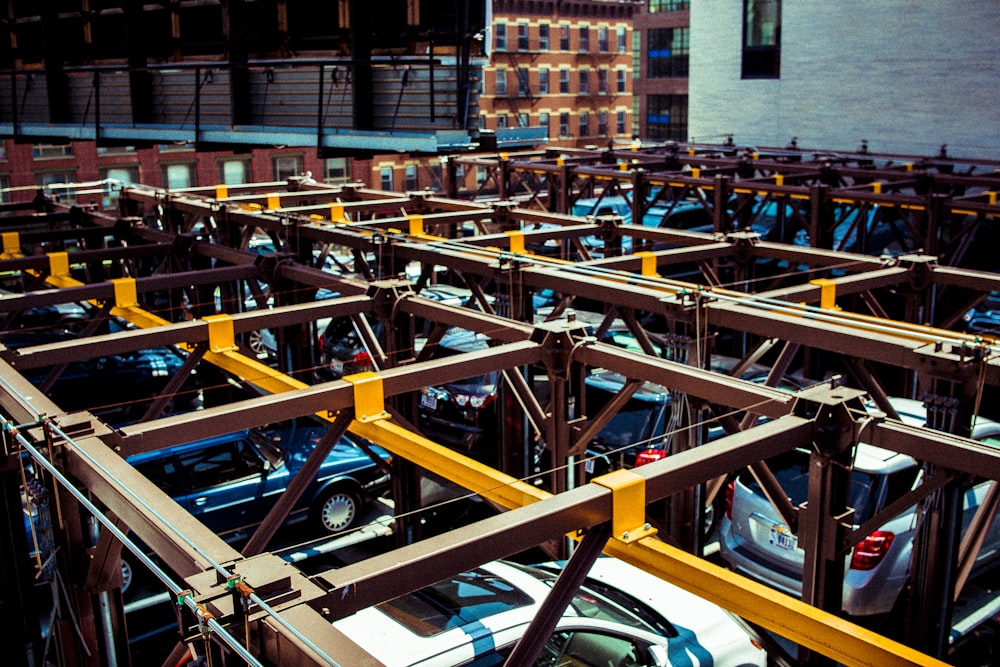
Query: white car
(621, 617)
(756, 543)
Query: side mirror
(659, 656)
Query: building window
(501, 121)
(602, 123)
(543, 37)
(4, 189)
(115, 178)
(622, 39)
(668, 5)
(234, 172)
(564, 124)
(523, 85)
(523, 120)
(41, 151)
(386, 181)
(410, 173)
(287, 166)
(621, 84)
(501, 32)
(602, 81)
(522, 37)
(620, 122)
(584, 38)
(543, 82)
(501, 82)
(668, 53)
(543, 121)
(761, 39)
(564, 80)
(53, 182)
(584, 81)
(115, 150)
(564, 37)
(602, 39)
(666, 117)
(584, 124)
(337, 170)
(481, 175)
(177, 176)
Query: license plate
(337, 366)
(428, 401)
(782, 538)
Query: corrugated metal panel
(174, 93)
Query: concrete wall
(907, 75)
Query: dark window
(668, 5)
(602, 39)
(761, 39)
(501, 33)
(523, 85)
(543, 82)
(564, 81)
(564, 37)
(584, 38)
(666, 117)
(584, 124)
(668, 53)
(584, 75)
(543, 37)
(522, 37)
(462, 599)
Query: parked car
(230, 482)
(116, 387)
(462, 414)
(984, 319)
(755, 541)
(621, 616)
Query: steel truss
(178, 247)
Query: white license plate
(783, 539)
(428, 401)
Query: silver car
(755, 542)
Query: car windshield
(791, 469)
(634, 424)
(595, 599)
(454, 602)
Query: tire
(255, 341)
(127, 575)
(337, 510)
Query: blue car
(230, 482)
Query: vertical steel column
(18, 615)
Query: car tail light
(730, 490)
(362, 359)
(648, 456)
(870, 551)
(479, 402)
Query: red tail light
(870, 551)
(477, 401)
(362, 359)
(730, 490)
(648, 456)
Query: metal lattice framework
(881, 322)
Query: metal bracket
(220, 333)
(126, 295)
(369, 398)
(628, 505)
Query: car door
(227, 484)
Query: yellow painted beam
(508, 492)
(825, 633)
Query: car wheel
(337, 510)
(255, 341)
(127, 575)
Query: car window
(220, 463)
(590, 649)
(162, 473)
(454, 602)
(869, 492)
